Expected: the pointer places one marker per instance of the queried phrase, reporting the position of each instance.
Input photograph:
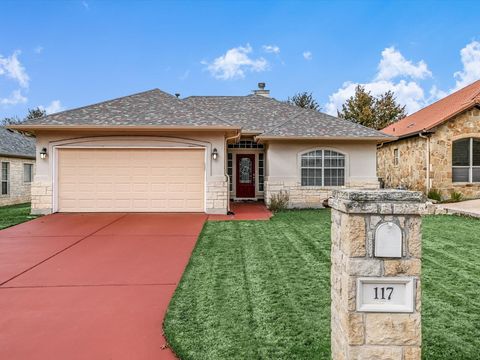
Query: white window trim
(5, 181)
(345, 168)
(469, 167)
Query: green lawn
(261, 290)
(14, 214)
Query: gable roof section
(15, 144)
(271, 118)
(149, 108)
(436, 113)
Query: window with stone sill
(466, 160)
(322, 168)
(396, 157)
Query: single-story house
(17, 160)
(156, 152)
(437, 147)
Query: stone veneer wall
(217, 197)
(19, 190)
(306, 196)
(41, 198)
(355, 216)
(411, 171)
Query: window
(230, 170)
(5, 178)
(245, 144)
(466, 160)
(323, 168)
(396, 157)
(261, 171)
(27, 173)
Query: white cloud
(234, 63)
(185, 75)
(54, 107)
(307, 55)
(393, 65)
(85, 5)
(15, 98)
(12, 68)
(271, 49)
(397, 74)
(38, 49)
(470, 56)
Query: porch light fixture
(43, 153)
(215, 154)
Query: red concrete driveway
(91, 286)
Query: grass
(261, 290)
(14, 214)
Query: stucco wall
(43, 189)
(19, 190)
(283, 169)
(411, 171)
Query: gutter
(18, 156)
(331, 138)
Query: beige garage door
(102, 180)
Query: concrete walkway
(91, 286)
(470, 208)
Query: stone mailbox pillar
(375, 274)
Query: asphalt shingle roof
(13, 143)
(271, 117)
(253, 113)
(153, 107)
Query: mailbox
(388, 240)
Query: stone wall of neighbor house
(19, 190)
(411, 171)
(464, 125)
(308, 196)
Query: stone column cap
(385, 201)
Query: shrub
(456, 196)
(279, 201)
(434, 194)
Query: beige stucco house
(155, 152)
(17, 161)
(437, 147)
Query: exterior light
(43, 153)
(215, 154)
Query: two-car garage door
(109, 180)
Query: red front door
(245, 176)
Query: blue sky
(62, 55)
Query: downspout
(427, 158)
(236, 137)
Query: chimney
(261, 90)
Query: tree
(375, 112)
(32, 114)
(304, 100)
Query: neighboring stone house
(444, 138)
(155, 152)
(17, 161)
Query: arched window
(466, 160)
(323, 168)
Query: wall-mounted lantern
(215, 154)
(43, 153)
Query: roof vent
(261, 90)
(177, 95)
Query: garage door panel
(130, 180)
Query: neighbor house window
(27, 173)
(396, 157)
(466, 160)
(5, 178)
(323, 168)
